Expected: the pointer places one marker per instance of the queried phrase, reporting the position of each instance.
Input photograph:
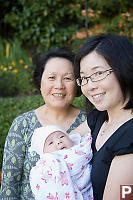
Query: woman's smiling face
(105, 94)
(58, 83)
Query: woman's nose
(91, 85)
(59, 83)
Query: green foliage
(111, 8)
(121, 24)
(79, 102)
(11, 107)
(15, 69)
(45, 23)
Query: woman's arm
(13, 158)
(82, 129)
(120, 173)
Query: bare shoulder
(82, 129)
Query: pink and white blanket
(64, 174)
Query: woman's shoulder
(82, 115)
(80, 118)
(27, 115)
(25, 120)
(23, 126)
(123, 139)
(121, 142)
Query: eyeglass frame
(90, 77)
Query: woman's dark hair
(118, 52)
(41, 63)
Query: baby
(63, 171)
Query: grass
(11, 107)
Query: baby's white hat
(39, 137)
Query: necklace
(108, 128)
(104, 128)
(102, 133)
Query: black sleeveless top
(121, 142)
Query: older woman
(105, 74)
(54, 76)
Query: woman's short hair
(41, 63)
(118, 52)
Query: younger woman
(105, 74)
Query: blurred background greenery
(30, 28)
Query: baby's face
(57, 141)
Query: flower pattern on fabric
(64, 180)
(17, 161)
(66, 170)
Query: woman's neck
(61, 117)
(116, 118)
(57, 113)
(120, 114)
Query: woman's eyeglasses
(97, 76)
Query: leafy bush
(45, 24)
(49, 23)
(11, 107)
(15, 69)
(121, 24)
(111, 8)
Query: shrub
(49, 23)
(45, 24)
(15, 69)
(121, 24)
(111, 8)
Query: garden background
(30, 28)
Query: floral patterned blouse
(17, 161)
